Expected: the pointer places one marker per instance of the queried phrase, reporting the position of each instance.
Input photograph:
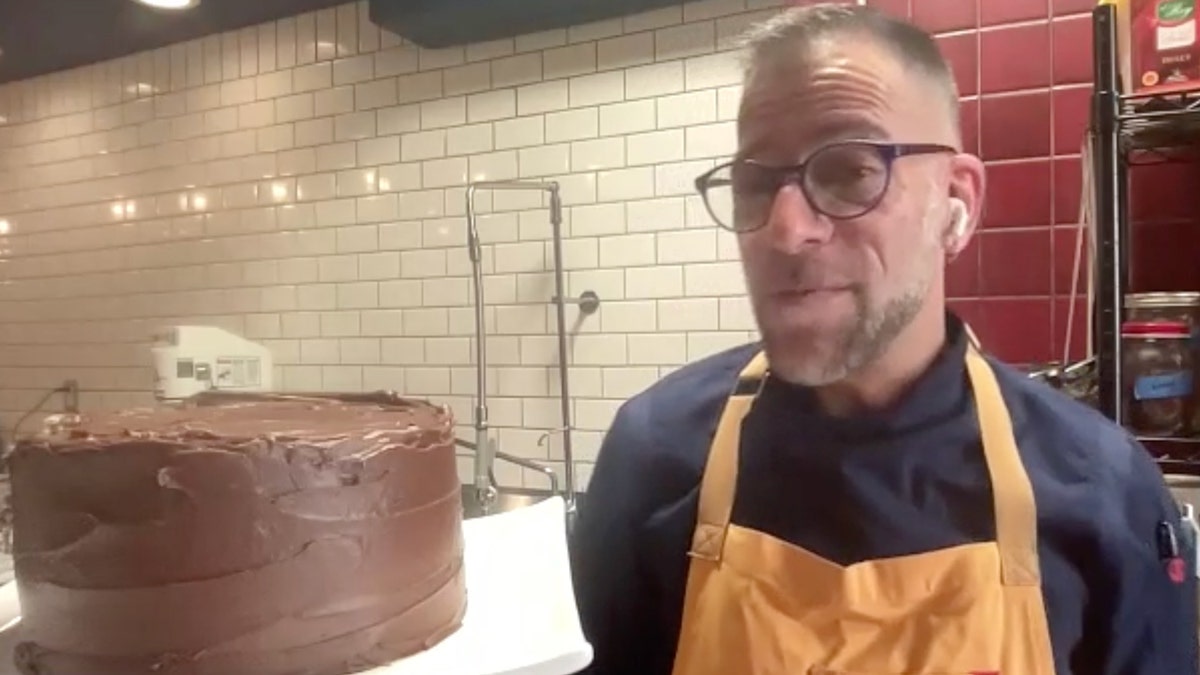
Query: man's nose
(792, 224)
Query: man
(863, 493)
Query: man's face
(830, 295)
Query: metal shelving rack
(1124, 125)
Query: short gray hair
(802, 25)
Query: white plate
(521, 617)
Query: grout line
(1027, 160)
(999, 298)
(959, 32)
(1046, 89)
(1054, 328)
(979, 248)
(1023, 23)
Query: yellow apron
(756, 605)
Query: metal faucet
(485, 452)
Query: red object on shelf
(1163, 48)
(1169, 328)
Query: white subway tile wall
(301, 183)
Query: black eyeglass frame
(795, 174)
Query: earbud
(960, 217)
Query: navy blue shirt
(906, 480)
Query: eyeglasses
(841, 180)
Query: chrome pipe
(531, 465)
(502, 456)
(483, 449)
(485, 452)
(564, 389)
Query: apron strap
(719, 484)
(1016, 514)
(972, 339)
(1012, 493)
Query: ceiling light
(170, 4)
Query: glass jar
(1182, 306)
(1159, 376)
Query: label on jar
(1164, 385)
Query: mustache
(790, 276)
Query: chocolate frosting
(239, 535)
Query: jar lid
(1156, 328)
(1162, 300)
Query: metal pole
(1110, 211)
(483, 448)
(564, 392)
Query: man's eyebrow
(858, 128)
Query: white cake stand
(521, 615)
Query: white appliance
(189, 360)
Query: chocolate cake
(239, 535)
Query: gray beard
(862, 341)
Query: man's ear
(968, 181)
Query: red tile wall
(1024, 70)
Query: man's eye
(845, 173)
(756, 182)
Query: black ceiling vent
(447, 23)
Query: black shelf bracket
(1122, 125)
(1110, 211)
